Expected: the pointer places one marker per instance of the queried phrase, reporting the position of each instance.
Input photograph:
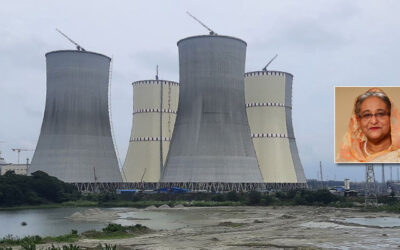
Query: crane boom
(270, 61)
(78, 47)
(19, 151)
(200, 22)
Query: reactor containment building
(75, 142)
(211, 141)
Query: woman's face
(374, 119)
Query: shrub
(232, 196)
(254, 198)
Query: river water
(43, 222)
(58, 221)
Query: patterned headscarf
(351, 149)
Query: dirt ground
(298, 227)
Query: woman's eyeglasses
(378, 116)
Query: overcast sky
(322, 43)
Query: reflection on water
(376, 222)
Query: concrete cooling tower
(154, 111)
(75, 143)
(211, 141)
(269, 110)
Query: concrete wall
(211, 140)
(75, 142)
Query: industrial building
(211, 141)
(20, 169)
(268, 97)
(16, 168)
(155, 103)
(75, 142)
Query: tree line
(39, 188)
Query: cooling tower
(211, 140)
(269, 109)
(152, 127)
(75, 143)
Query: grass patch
(116, 231)
(62, 238)
(80, 203)
(11, 240)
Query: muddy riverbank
(294, 227)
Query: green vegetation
(111, 231)
(116, 231)
(43, 191)
(299, 197)
(33, 240)
(38, 189)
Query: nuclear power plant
(155, 103)
(75, 142)
(217, 129)
(269, 110)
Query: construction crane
(18, 150)
(200, 22)
(270, 61)
(78, 47)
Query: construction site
(218, 129)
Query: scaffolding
(90, 187)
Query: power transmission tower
(320, 172)
(370, 186)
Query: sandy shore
(253, 228)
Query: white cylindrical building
(148, 137)
(268, 97)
